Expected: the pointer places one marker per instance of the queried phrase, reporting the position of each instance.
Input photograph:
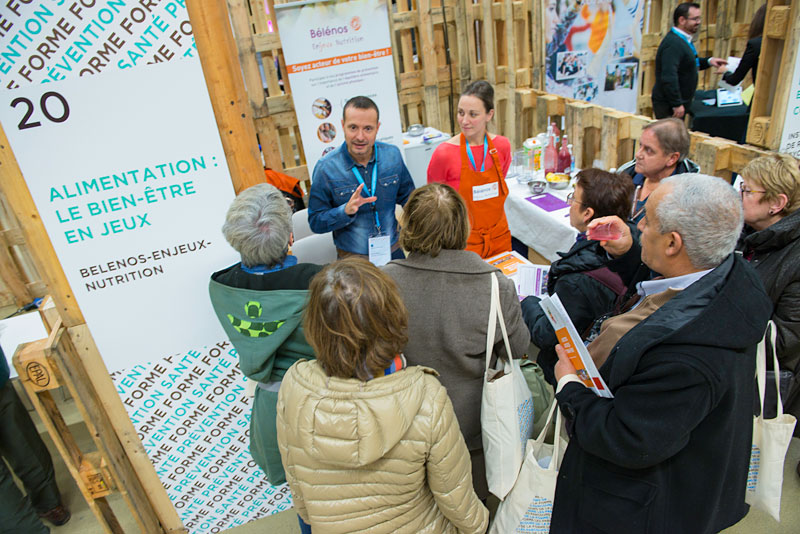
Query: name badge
(380, 250)
(485, 191)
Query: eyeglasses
(696, 19)
(571, 199)
(743, 190)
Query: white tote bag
(506, 409)
(771, 439)
(529, 506)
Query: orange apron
(489, 234)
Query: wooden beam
(223, 75)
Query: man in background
(677, 64)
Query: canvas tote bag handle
(495, 316)
(761, 369)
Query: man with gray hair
(663, 147)
(260, 303)
(670, 452)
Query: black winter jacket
(670, 452)
(584, 296)
(775, 253)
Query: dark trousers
(661, 109)
(26, 454)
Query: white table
(545, 232)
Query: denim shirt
(333, 183)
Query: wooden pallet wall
(608, 138)
(779, 49)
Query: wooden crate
(52, 363)
(20, 282)
(775, 69)
(258, 42)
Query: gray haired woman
(260, 302)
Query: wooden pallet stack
(20, 283)
(779, 49)
(52, 363)
(608, 137)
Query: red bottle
(550, 153)
(564, 157)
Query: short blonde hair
(434, 218)
(355, 320)
(777, 174)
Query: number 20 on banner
(52, 105)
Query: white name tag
(485, 191)
(380, 250)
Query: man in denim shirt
(347, 205)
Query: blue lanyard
(485, 151)
(373, 190)
(689, 42)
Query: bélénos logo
(328, 31)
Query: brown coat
(448, 306)
(383, 456)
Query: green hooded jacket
(265, 325)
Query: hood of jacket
(727, 308)
(346, 422)
(259, 323)
(775, 237)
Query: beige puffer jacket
(384, 456)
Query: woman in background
(447, 291)
(369, 444)
(475, 164)
(583, 283)
(770, 191)
(751, 52)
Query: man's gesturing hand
(356, 201)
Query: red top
(445, 165)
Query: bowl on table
(558, 180)
(537, 187)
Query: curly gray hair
(707, 213)
(258, 225)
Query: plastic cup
(604, 232)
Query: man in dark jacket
(677, 64)
(670, 452)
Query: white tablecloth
(545, 232)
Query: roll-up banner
(106, 109)
(790, 137)
(338, 50)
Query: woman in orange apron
(475, 164)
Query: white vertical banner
(118, 145)
(336, 50)
(790, 138)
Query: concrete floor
(84, 522)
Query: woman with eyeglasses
(586, 287)
(770, 191)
